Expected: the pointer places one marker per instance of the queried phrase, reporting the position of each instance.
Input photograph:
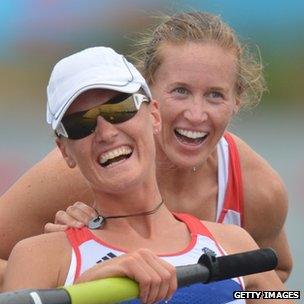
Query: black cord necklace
(99, 220)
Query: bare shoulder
(45, 257)
(35, 198)
(265, 196)
(232, 238)
(50, 242)
(258, 170)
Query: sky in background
(52, 20)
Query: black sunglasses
(116, 110)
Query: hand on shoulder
(75, 216)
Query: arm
(2, 270)
(45, 258)
(265, 206)
(36, 197)
(38, 262)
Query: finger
(50, 227)
(90, 211)
(79, 214)
(62, 218)
(172, 283)
(142, 273)
(133, 267)
(162, 276)
(166, 273)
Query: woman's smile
(115, 156)
(190, 137)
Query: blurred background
(37, 33)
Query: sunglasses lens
(77, 126)
(117, 110)
(118, 117)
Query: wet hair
(203, 28)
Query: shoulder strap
(194, 224)
(76, 237)
(234, 198)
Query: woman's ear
(65, 153)
(156, 118)
(237, 105)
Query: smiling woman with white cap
(104, 117)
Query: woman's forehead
(210, 53)
(204, 61)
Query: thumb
(50, 227)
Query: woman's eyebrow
(219, 88)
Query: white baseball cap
(97, 67)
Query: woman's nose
(105, 131)
(196, 112)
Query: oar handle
(36, 296)
(211, 268)
(113, 290)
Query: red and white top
(230, 185)
(89, 250)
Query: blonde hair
(205, 28)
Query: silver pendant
(96, 222)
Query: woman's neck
(141, 216)
(134, 199)
(189, 191)
(171, 175)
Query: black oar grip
(245, 263)
(211, 268)
(189, 274)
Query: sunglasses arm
(60, 131)
(139, 99)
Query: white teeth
(124, 150)
(190, 134)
